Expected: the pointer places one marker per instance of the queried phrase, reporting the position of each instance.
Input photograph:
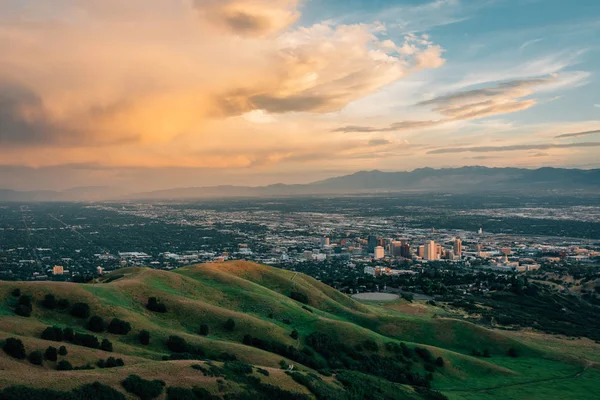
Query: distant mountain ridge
(464, 179)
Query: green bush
(51, 354)
(294, 334)
(97, 391)
(16, 292)
(36, 357)
(203, 329)
(23, 392)
(179, 393)
(49, 301)
(64, 365)
(512, 352)
(96, 324)
(144, 337)
(63, 304)
(23, 310)
(229, 324)
(155, 305)
(53, 333)
(119, 327)
(83, 339)
(144, 389)
(14, 348)
(439, 362)
(62, 351)
(69, 334)
(80, 310)
(177, 344)
(106, 345)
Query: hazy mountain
(465, 179)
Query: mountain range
(464, 179)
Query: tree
(80, 310)
(36, 357)
(14, 348)
(144, 337)
(16, 292)
(204, 329)
(63, 304)
(51, 354)
(97, 390)
(486, 353)
(64, 365)
(177, 344)
(512, 352)
(68, 334)
(301, 297)
(24, 307)
(62, 351)
(155, 306)
(119, 327)
(294, 334)
(49, 302)
(145, 389)
(53, 333)
(106, 345)
(439, 362)
(229, 324)
(96, 324)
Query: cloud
(379, 142)
(577, 134)
(530, 42)
(172, 74)
(520, 147)
(597, 105)
(502, 98)
(398, 126)
(248, 17)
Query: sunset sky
(151, 94)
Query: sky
(155, 94)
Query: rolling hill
(242, 330)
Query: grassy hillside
(333, 342)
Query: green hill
(244, 330)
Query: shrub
(119, 327)
(424, 353)
(80, 310)
(25, 300)
(111, 362)
(262, 371)
(204, 329)
(97, 391)
(29, 393)
(36, 357)
(301, 297)
(53, 333)
(155, 306)
(247, 340)
(294, 334)
(23, 310)
(68, 334)
(177, 344)
(49, 301)
(144, 337)
(16, 292)
(14, 348)
(51, 354)
(370, 345)
(63, 304)
(238, 367)
(96, 324)
(229, 324)
(486, 353)
(512, 352)
(64, 365)
(179, 393)
(106, 345)
(439, 362)
(82, 339)
(143, 388)
(62, 351)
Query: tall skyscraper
(431, 251)
(421, 251)
(405, 250)
(458, 247)
(371, 243)
(379, 252)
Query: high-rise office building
(431, 251)
(405, 250)
(458, 247)
(371, 243)
(379, 252)
(324, 241)
(421, 251)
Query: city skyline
(159, 93)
